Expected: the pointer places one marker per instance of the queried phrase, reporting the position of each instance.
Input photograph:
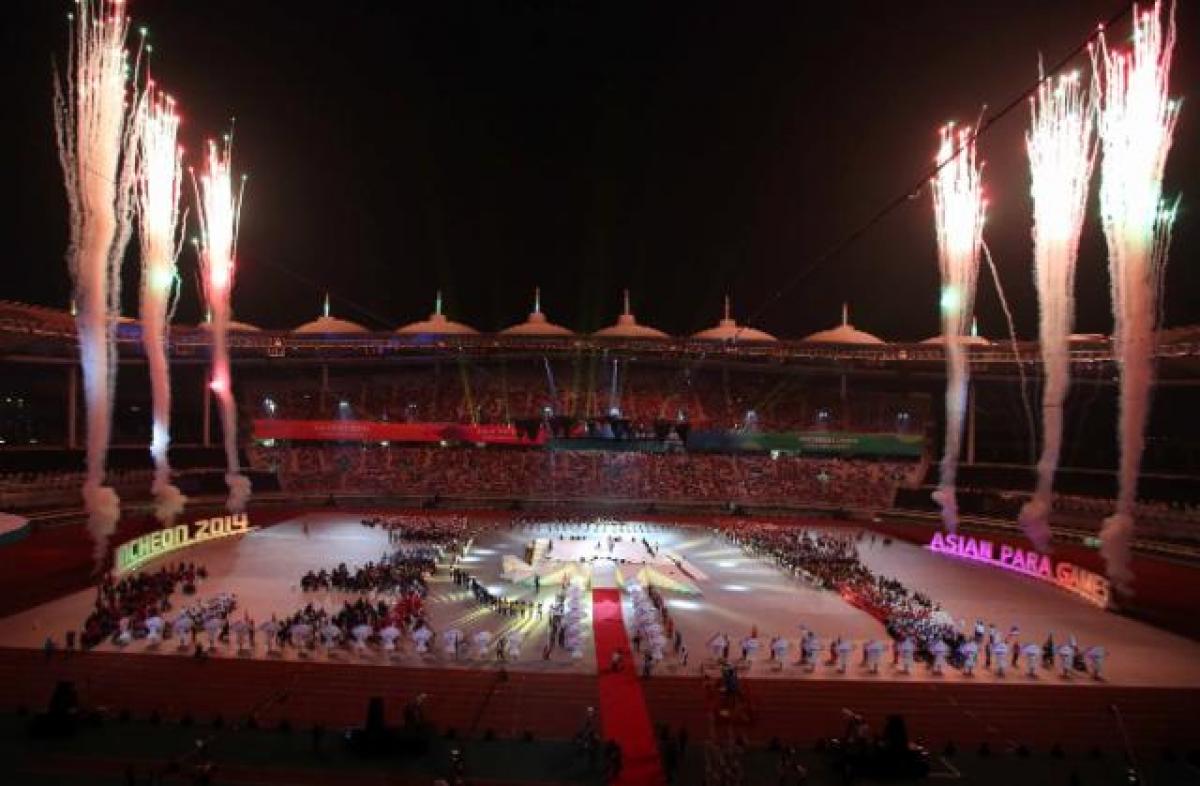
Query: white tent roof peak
(437, 324)
(327, 323)
(234, 325)
(844, 333)
(536, 324)
(973, 339)
(627, 326)
(729, 330)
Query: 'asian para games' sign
(1084, 583)
(134, 553)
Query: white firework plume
(959, 209)
(1061, 145)
(220, 205)
(95, 103)
(1136, 123)
(160, 176)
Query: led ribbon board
(1089, 586)
(134, 553)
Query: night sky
(682, 150)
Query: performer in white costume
(970, 653)
(808, 651)
(843, 648)
(999, 656)
(939, 650)
(905, 649)
(1095, 656)
(874, 649)
(1066, 658)
(1032, 653)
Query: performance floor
(737, 593)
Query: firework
(1136, 122)
(94, 110)
(958, 208)
(1061, 146)
(160, 174)
(219, 210)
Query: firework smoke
(160, 175)
(219, 211)
(1136, 122)
(94, 111)
(1061, 145)
(958, 208)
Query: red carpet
(623, 714)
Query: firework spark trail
(1026, 407)
(958, 208)
(219, 211)
(160, 230)
(97, 142)
(1136, 123)
(1061, 146)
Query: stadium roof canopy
(536, 324)
(627, 326)
(728, 330)
(844, 333)
(971, 340)
(327, 323)
(235, 326)
(437, 324)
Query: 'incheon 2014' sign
(1066, 575)
(134, 553)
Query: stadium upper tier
(37, 332)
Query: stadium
(706, 446)
(473, 549)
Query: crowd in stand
(503, 473)
(487, 394)
(125, 604)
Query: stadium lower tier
(534, 474)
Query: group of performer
(999, 654)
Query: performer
(1066, 658)
(212, 626)
(270, 629)
(970, 652)
(1032, 653)
(843, 649)
(939, 650)
(1095, 656)
(125, 636)
(905, 650)
(779, 649)
(717, 644)
(874, 650)
(999, 656)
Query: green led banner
(838, 443)
(134, 553)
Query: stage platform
(736, 593)
(1151, 687)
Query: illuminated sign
(1084, 583)
(134, 553)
